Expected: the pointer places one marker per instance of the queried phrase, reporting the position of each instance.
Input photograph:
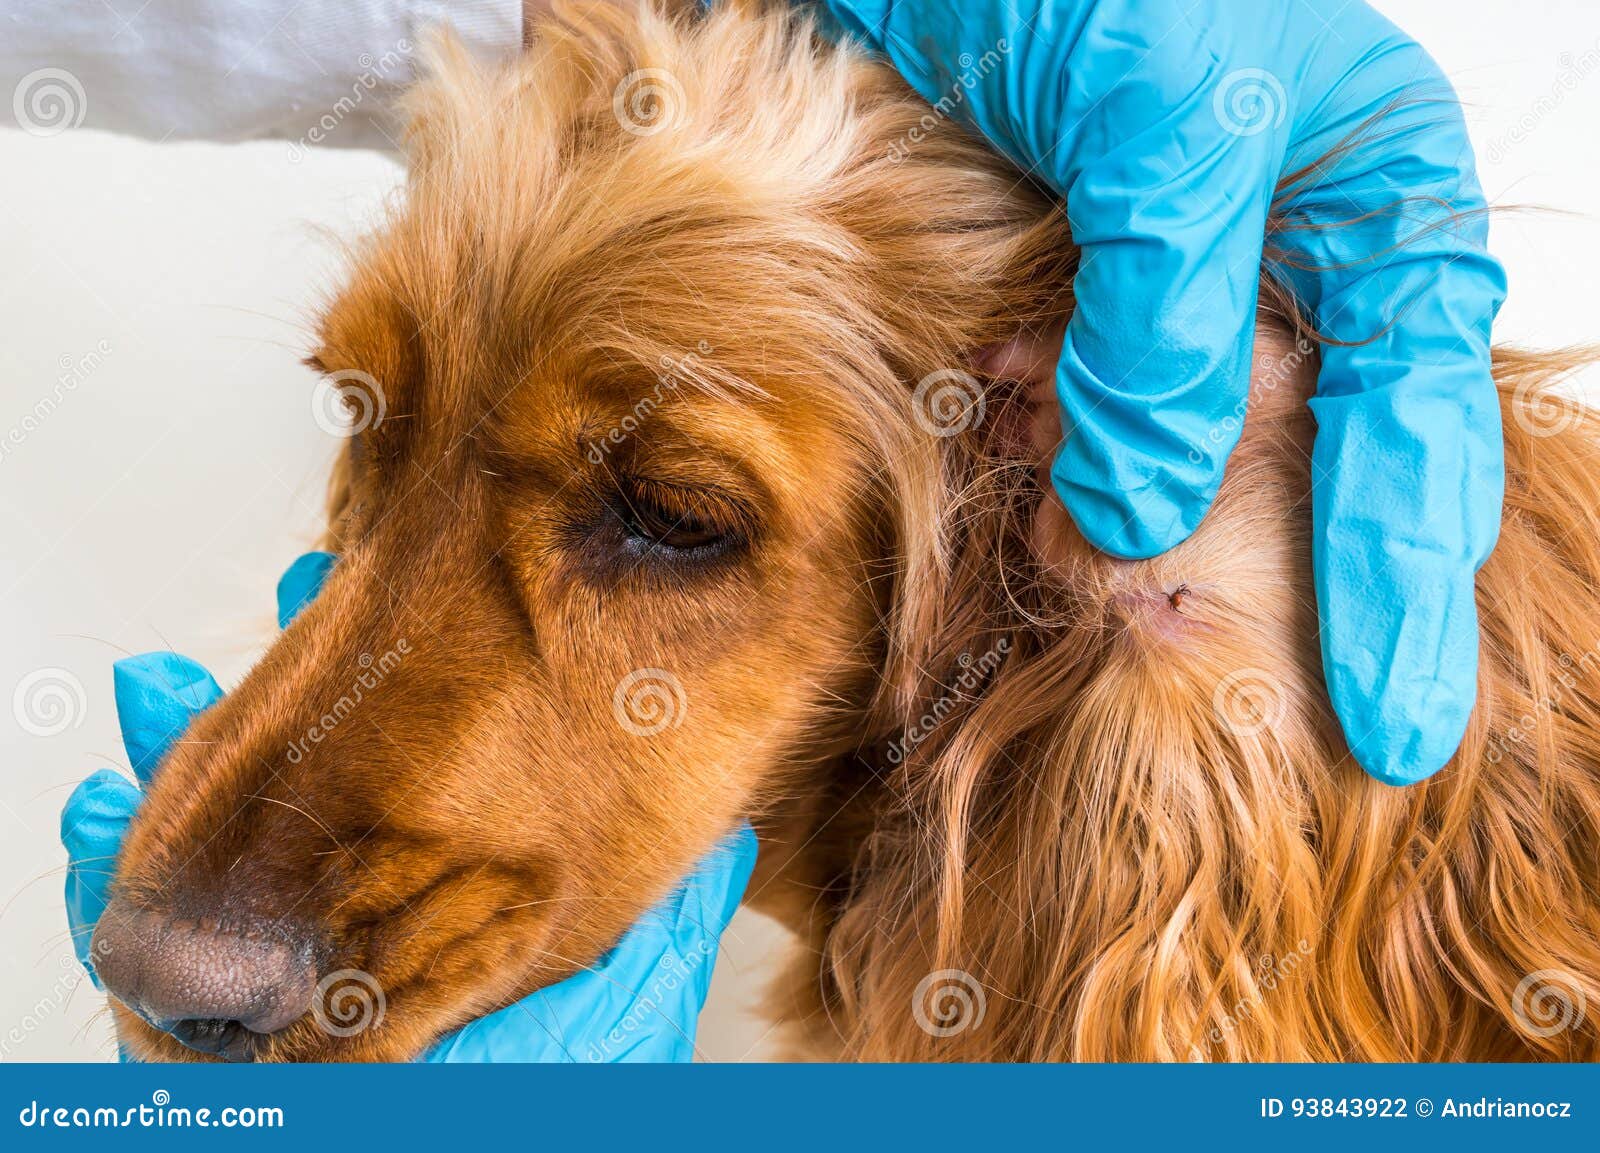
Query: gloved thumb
(93, 823)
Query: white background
(158, 503)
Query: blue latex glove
(639, 1003)
(1165, 124)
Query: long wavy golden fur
(1145, 840)
(1019, 800)
(1126, 841)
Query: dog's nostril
(227, 1039)
(217, 991)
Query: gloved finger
(1406, 500)
(93, 823)
(666, 961)
(1408, 476)
(712, 896)
(1154, 371)
(642, 1000)
(1408, 463)
(96, 816)
(157, 695)
(534, 1030)
(300, 584)
(690, 919)
(1166, 151)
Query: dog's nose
(219, 991)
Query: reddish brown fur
(1094, 831)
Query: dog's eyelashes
(651, 529)
(675, 523)
(663, 529)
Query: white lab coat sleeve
(306, 71)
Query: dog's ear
(435, 111)
(460, 104)
(549, 100)
(674, 9)
(967, 252)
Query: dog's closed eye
(676, 523)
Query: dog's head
(652, 373)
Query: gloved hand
(640, 1002)
(1165, 125)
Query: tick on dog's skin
(1175, 598)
